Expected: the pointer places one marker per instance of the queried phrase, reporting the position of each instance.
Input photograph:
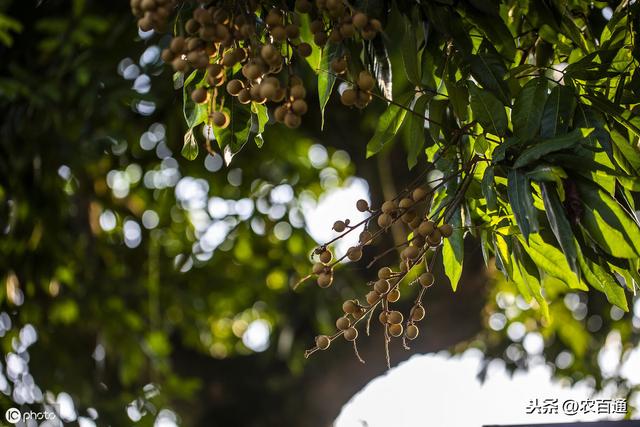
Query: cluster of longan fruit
(250, 45)
(424, 234)
(152, 14)
(342, 21)
(359, 95)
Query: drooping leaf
(489, 70)
(488, 110)
(548, 173)
(630, 151)
(551, 260)
(410, 55)
(389, 124)
(326, 79)
(560, 224)
(528, 107)
(558, 111)
(489, 188)
(527, 278)
(521, 201)
(380, 64)
(190, 147)
(453, 250)
(599, 278)
(459, 98)
(551, 145)
(417, 133)
(608, 224)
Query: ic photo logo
(13, 415)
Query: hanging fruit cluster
(250, 47)
(426, 229)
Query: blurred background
(138, 287)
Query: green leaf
(548, 173)
(489, 70)
(459, 98)
(453, 250)
(416, 130)
(527, 279)
(488, 110)
(551, 145)
(620, 114)
(262, 116)
(528, 108)
(560, 224)
(608, 223)
(389, 124)
(410, 54)
(558, 111)
(599, 278)
(307, 36)
(190, 147)
(521, 200)
(489, 188)
(630, 152)
(550, 259)
(502, 249)
(326, 79)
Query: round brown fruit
(349, 97)
(354, 253)
(351, 334)
(325, 280)
(395, 330)
(343, 323)
(323, 342)
(362, 205)
(220, 119)
(234, 87)
(199, 95)
(426, 279)
(292, 120)
(365, 81)
(446, 230)
(412, 332)
(393, 296)
(349, 306)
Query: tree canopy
(149, 221)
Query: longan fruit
(292, 120)
(317, 268)
(382, 286)
(405, 203)
(268, 52)
(389, 206)
(419, 194)
(303, 6)
(316, 26)
(446, 230)
(320, 39)
(325, 280)
(267, 90)
(385, 220)
(220, 119)
(412, 332)
(305, 50)
(280, 114)
(273, 18)
(365, 81)
(326, 256)
(360, 20)
(365, 237)
(426, 228)
(411, 252)
(339, 65)
(177, 44)
(343, 323)
(372, 297)
(376, 24)
(215, 70)
(347, 30)
(385, 273)
(244, 96)
(354, 253)
(234, 87)
(417, 313)
(426, 279)
(323, 342)
(395, 317)
(297, 92)
(351, 334)
(349, 97)
(279, 33)
(362, 205)
(293, 31)
(349, 306)
(199, 95)
(434, 239)
(299, 106)
(384, 317)
(167, 56)
(394, 295)
(395, 330)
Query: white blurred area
(440, 390)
